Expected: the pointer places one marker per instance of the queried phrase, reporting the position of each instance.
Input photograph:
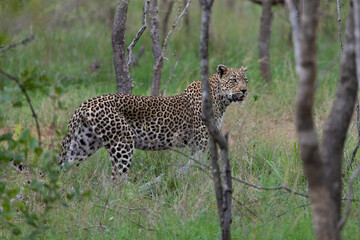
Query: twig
(191, 158)
(283, 213)
(339, 23)
(138, 34)
(23, 90)
(170, 76)
(95, 226)
(161, 58)
(87, 228)
(271, 188)
(22, 42)
(349, 198)
(243, 205)
(141, 226)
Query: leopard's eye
(234, 80)
(246, 80)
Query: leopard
(121, 122)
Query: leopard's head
(233, 83)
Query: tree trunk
(264, 40)
(339, 119)
(222, 191)
(156, 48)
(123, 78)
(323, 171)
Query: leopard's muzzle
(239, 97)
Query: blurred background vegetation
(70, 60)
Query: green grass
(263, 141)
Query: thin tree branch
(22, 42)
(23, 90)
(141, 226)
(283, 213)
(271, 188)
(138, 34)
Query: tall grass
(263, 142)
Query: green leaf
(25, 136)
(33, 143)
(256, 97)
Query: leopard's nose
(243, 91)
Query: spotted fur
(121, 123)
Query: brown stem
(23, 90)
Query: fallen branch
(22, 42)
(138, 34)
(23, 90)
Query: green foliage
(47, 191)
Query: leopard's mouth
(238, 98)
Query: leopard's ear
(243, 68)
(222, 69)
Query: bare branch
(22, 42)
(170, 76)
(23, 90)
(271, 188)
(159, 61)
(283, 213)
(138, 34)
(141, 226)
(339, 23)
